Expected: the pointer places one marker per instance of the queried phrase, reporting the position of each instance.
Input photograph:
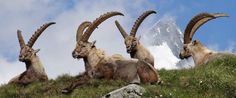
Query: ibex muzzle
(185, 52)
(130, 43)
(82, 49)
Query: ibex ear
(93, 43)
(194, 42)
(36, 51)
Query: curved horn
(98, 21)
(122, 31)
(21, 39)
(139, 21)
(81, 29)
(38, 33)
(198, 21)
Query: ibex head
(130, 40)
(83, 46)
(27, 52)
(189, 45)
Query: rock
(129, 91)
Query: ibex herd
(98, 65)
(137, 69)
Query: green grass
(216, 79)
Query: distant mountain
(165, 41)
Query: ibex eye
(185, 48)
(195, 41)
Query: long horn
(139, 21)
(81, 29)
(98, 21)
(197, 22)
(38, 33)
(21, 39)
(122, 31)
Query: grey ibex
(100, 66)
(200, 53)
(133, 46)
(34, 68)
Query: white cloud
(9, 70)
(214, 47)
(230, 47)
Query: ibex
(200, 54)
(133, 46)
(34, 68)
(100, 66)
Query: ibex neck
(201, 55)
(35, 64)
(133, 53)
(143, 54)
(95, 56)
(140, 51)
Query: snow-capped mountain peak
(165, 41)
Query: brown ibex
(200, 54)
(100, 66)
(34, 68)
(133, 46)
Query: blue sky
(59, 40)
(217, 33)
(220, 31)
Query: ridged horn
(139, 21)
(98, 21)
(81, 29)
(122, 31)
(38, 33)
(197, 22)
(21, 39)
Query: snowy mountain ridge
(165, 41)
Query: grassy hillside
(214, 80)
